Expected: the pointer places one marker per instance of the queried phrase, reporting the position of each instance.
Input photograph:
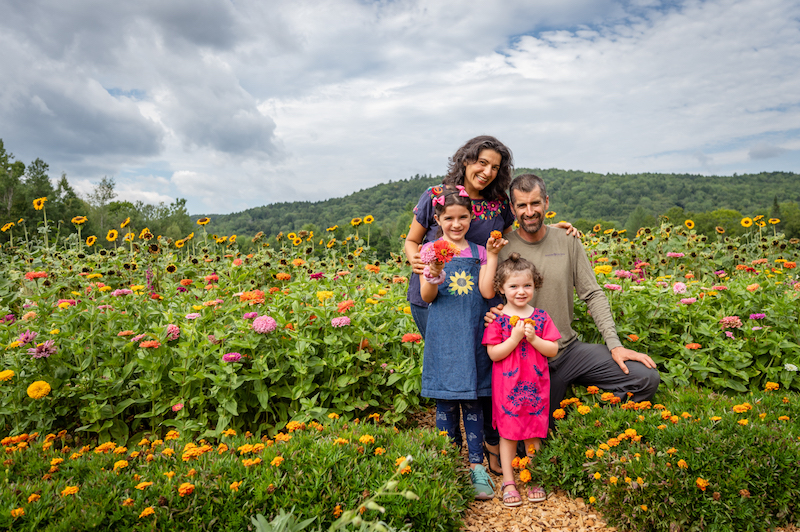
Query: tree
(10, 173)
(99, 198)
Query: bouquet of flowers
(440, 251)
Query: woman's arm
(414, 238)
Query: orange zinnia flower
(693, 346)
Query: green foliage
(93, 303)
(327, 473)
(695, 465)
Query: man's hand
(623, 354)
(492, 315)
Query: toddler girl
(518, 342)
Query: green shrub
(323, 471)
(691, 462)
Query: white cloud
(239, 105)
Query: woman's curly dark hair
(515, 264)
(469, 152)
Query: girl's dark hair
(515, 264)
(469, 152)
(451, 197)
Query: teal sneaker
(484, 486)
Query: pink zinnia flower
(679, 288)
(237, 262)
(231, 357)
(192, 316)
(688, 300)
(173, 332)
(43, 350)
(264, 324)
(317, 275)
(730, 322)
(610, 286)
(674, 255)
(250, 315)
(121, 292)
(719, 287)
(177, 407)
(341, 321)
(138, 337)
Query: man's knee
(647, 381)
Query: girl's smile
(454, 222)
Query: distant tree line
(620, 201)
(20, 185)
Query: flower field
(205, 336)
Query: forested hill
(580, 197)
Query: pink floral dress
(521, 381)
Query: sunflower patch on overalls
(456, 364)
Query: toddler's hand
(518, 332)
(530, 332)
(435, 268)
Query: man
(565, 268)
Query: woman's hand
(571, 229)
(416, 263)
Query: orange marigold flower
(34, 497)
(379, 451)
(592, 390)
(702, 483)
(771, 386)
(185, 489)
(559, 413)
(633, 338)
(147, 511)
(69, 490)
(127, 502)
(278, 460)
(497, 235)
(17, 512)
(525, 475)
(337, 511)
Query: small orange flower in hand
(497, 235)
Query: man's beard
(531, 226)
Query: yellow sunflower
(79, 220)
(461, 283)
(38, 203)
(332, 229)
(91, 240)
(203, 221)
(232, 239)
(331, 243)
(757, 218)
(761, 223)
(8, 226)
(689, 224)
(112, 235)
(179, 243)
(550, 214)
(774, 221)
(129, 237)
(355, 222)
(720, 230)
(124, 224)
(746, 222)
(291, 236)
(369, 219)
(297, 241)
(597, 228)
(608, 231)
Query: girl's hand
(494, 245)
(518, 332)
(530, 332)
(435, 268)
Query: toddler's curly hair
(515, 264)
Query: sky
(239, 104)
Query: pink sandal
(534, 491)
(510, 494)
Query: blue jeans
(448, 417)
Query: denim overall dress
(455, 364)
